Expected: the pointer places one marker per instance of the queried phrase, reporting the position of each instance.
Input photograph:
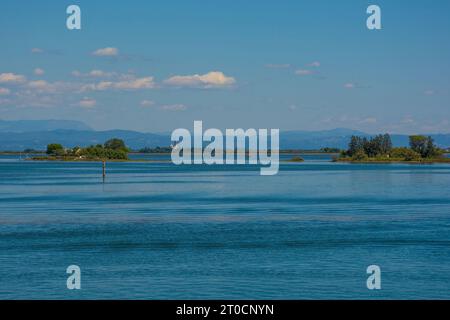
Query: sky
(154, 66)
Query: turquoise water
(157, 231)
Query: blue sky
(295, 65)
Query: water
(157, 231)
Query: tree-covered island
(380, 149)
(113, 149)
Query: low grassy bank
(394, 160)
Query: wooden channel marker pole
(104, 168)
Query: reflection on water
(154, 230)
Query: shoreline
(41, 157)
(313, 152)
(124, 161)
(95, 160)
(430, 161)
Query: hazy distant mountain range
(36, 134)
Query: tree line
(113, 149)
(380, 146)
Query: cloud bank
(213, 79)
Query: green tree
(371, 147)
(405, 154)
(116, 144)
(99, 152)
(424, 146)
(419, 144)
(386, 144)
(378, 145)
(432, 151)
(330, 150)
(360, 155)
(55, 149)
(356, 144)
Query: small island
(112, 150)
(297, 159)
(379, 149)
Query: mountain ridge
(21, 138)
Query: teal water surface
(159, 231)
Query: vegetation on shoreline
(113, 149)
(297, 159)
(155, 150)
(319, 151)
(379, 149)
(168, 150)
(26, 151)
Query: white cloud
(429, 92)
(356, 86)
(41, 85)
(139, 83)
(94, 74)
(407, 120)
(39, 71)
(36, 98)
(104, 85)
(106, 52)
(37, 93)
(38, 84)
(12, 78)
(99, 74)
(303, 72)
(4, 91)
(37, 50)
(87, 103)
(349, 86)
(147, 103)
(212, 79)
(131, 84)
(315, 64)
(370, 120)
(135, 84)
(174, 107)
(76, 73)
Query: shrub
(297, 159)
(405, 154)
(116, 144)
(360, 155)
(99, 152)
(55, 149)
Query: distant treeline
(169, 150)
(155, 150)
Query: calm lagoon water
(158, 231)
